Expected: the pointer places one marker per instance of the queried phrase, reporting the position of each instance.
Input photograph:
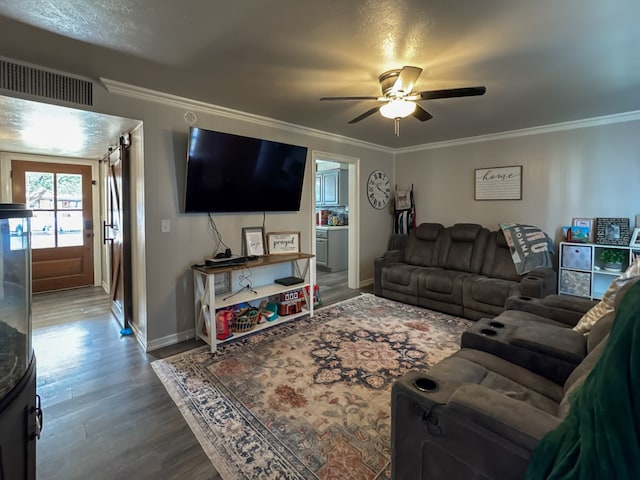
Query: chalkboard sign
(613, 231)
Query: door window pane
(42, 231)
(69, 228)
(39, 190)
(69, 190)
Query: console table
(261, 274)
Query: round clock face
(378, 189)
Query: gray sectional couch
(464, 270)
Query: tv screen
(232, 173)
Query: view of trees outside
(57, 212)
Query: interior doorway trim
(6, 194)
(354, 211)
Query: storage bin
(576, 256)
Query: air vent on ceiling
(42, 83)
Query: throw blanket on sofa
(530, 247)
(600, 437)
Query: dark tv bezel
(229, 206)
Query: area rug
(308, 399)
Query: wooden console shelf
(261, 273)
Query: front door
(62, 223)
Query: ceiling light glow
(397, 108)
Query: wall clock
(378, 189)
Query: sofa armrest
(539, 283)
(560, 308)
(556, 342)
(512, 419)
(390, 256)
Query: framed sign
(280, 243)
(612, 231)
(586, 224)
(498, 183)
(253, 241)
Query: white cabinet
(332, 187)
(263, 272)
(582, 273)
(332, 247)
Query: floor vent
(41, 83)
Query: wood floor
(106, 414)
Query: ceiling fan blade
(366, 114)
(421, 114)
(349, 98)
(406, 80)
(452, 92)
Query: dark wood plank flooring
(106, 414)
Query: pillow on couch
(605, 305)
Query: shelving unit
(261, 274)
(581, 272)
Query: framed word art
(282, 243)
(498, 183)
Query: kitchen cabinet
(332, 187)
(332, 247)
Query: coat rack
(404, 211)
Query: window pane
(39, 189)
(69, 191)
(42, 232)
(69, 229)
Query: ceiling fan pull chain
(396, 122)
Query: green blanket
(600, 438)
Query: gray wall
(169, 289)
(584, 172)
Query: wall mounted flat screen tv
(232, 173)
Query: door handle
(105, 237)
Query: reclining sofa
(464, 270)
(478, 415)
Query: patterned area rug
(309, 399)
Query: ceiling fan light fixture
(397, 108)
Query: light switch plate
(165, 226)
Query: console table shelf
(261, 273)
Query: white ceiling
(542, 62)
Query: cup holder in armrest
(496, 324)
(526, 299)
(489, 332)
(425, 384)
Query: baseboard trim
(365, 283)
(170, 340)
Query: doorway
(60, 197)
(334, 213)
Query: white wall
(584, 172)
(169, 284)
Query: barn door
(62, 223)
(116, 232)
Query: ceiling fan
(399, 99)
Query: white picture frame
(635, 238)
(283, 243)
(253, 241)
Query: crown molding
(555, 127)
(140, 93)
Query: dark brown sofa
(464, 270)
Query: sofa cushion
(480, 290)
(420, 248)
(462, 248)
(498, 262)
